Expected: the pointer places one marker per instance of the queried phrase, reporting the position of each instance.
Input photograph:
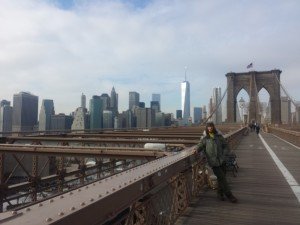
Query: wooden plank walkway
(263, 193)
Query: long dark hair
(210, 124)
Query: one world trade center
(185, 100)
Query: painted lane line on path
(287, 175)
(286, 141)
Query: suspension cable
(215, 109)
(285, 91)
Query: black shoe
(221, 197)
(231, 198)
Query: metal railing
(156, 192)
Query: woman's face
(210, 129)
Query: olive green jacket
(214, 148)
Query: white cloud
(59, 53)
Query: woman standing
(215, 147)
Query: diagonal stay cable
(215, 109)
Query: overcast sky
(60, 49)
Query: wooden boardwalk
(264, 195)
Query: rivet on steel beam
(48, 219)
(79, 190)
(28, 209)
(125, 183)
(113, 189)
(72, 208)
(61, 196)
(99, 182)
(107, 192)
(71, 193)
(87, 187)
(99, 196)
(120, 186)
(14, 212)
(94, 184)
(51, 200)
(40, 204)
(61, 213)
(82, 203)
(91, 199)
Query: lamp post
(242, 106)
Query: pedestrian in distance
(215, 147)
(257, 128)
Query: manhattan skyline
(60, 49)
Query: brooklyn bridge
(154, 176)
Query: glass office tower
(134, 99)
(185, 100)
(25, 112)
(96, 112)
(47, 110)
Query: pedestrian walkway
(264, 195)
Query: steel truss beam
(111, 152)
(106, 200)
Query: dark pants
(220, 172)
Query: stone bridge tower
(253, 82)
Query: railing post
(199, 178)
(61, 174)
(34, 178)
(179, 198)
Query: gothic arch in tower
(253, 82)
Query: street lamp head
(242, 103)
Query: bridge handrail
(116, 193)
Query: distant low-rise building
(61, 122)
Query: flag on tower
(250, 66)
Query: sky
(59, 49)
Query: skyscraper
(105, 101)
(25, 112)
(185, 100)
(155, 106)
(145, 117)
(134, 99)
(47, 109)
(5, 117)
(204, 113)
(156, 98)
(197, 115)
(178, 114)
(83, 101)
(114, 101)
(96, 112)
(216, 106)
(81, 120)
(107, 119)
(61, 122)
